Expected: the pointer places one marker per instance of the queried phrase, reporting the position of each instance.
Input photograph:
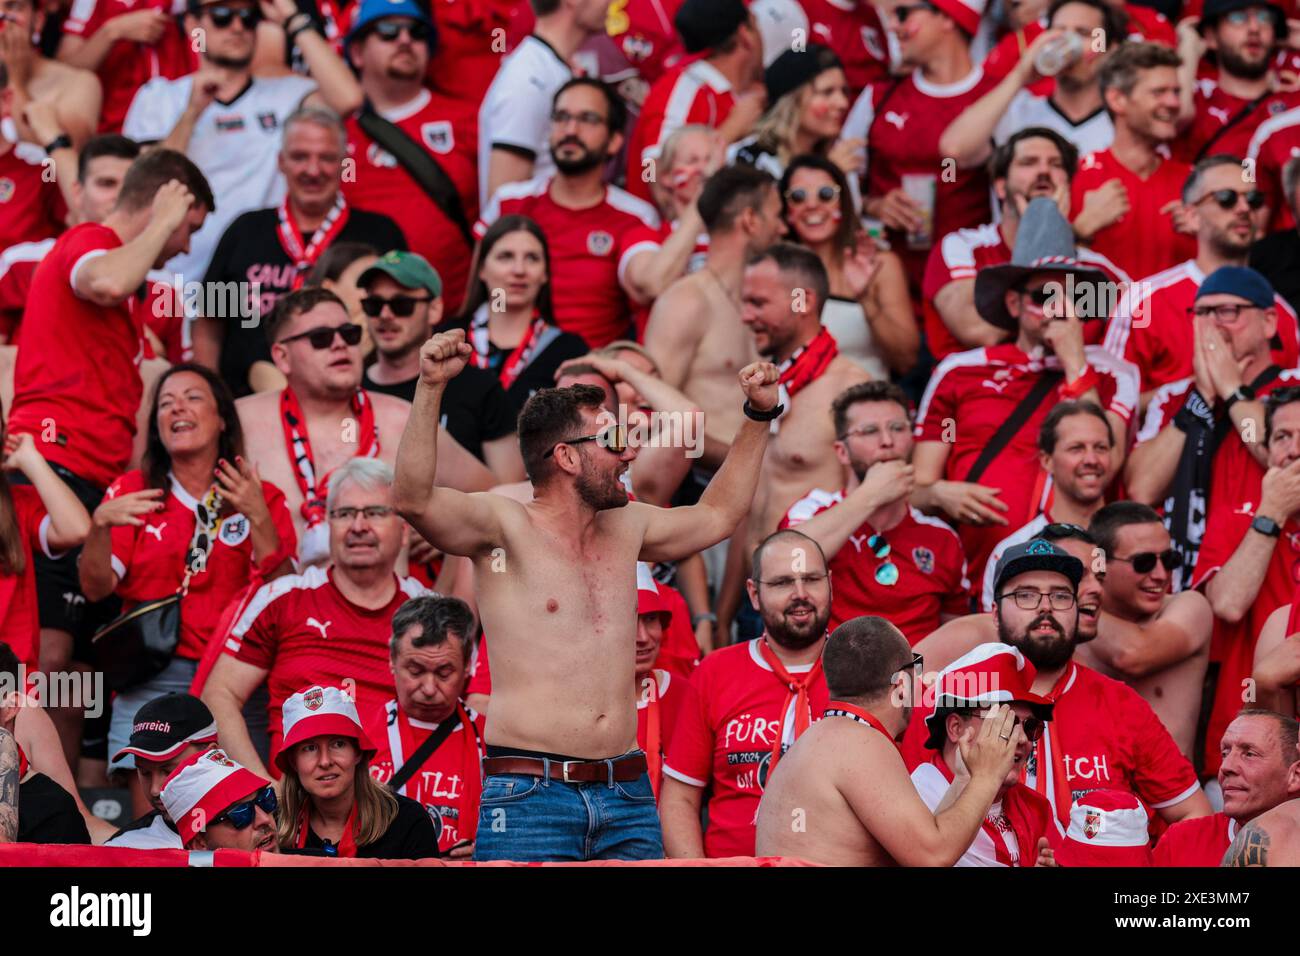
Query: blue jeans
(535, 819)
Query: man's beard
(600, 494)
(588, 160)
(1229, 247)
(230, 62)
(793, 636)
(1237, 65)
(1045, 653)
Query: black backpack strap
(423, 168)
(422, 754)
(1046, 383)
(1240, 115)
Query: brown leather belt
(625, 769)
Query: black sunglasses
(901, 13)
(402, 306)
(390, 30)
(242, 815)
(223, 16)
(1145, 561)
(799, 196)
(1227, 198)
(322, 337)
(1032, 726)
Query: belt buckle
(564, 768)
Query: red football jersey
(149, 560)
(1142, 242)
(303, 631)
(972, 393)
(851, 28)
(589, 250)
(725, 733)
(439, 784)
(1152, 329)
(447, 128)
(128, 65)
(644, 38)
(1276, 142)
(468, 52)
(1215, 109)
(31, 208)
(19, 625)
(1109, 737)
(902, 122)
(79, 404)
(932, 570)
(1201, 841)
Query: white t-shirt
(156, 836)
(516, 111)
(847, 322)
(931, 786)
(235, 145)
(1092, 134)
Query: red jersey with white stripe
(851, 28)
(31, 208)
(128, 65)
(1160, 246)
(1276, 142)
(972, 393)
(962, 254)
(589, 251)
(1201, 841)
(91, 395)
(149, 560)
(902, 122)
(19, 624)
(927, 552)
(724, 737)
(447, 129)
(1215, 109)
(303, 631)
(1103, 736)
(439, 784)
(692, 93)
(1152, 329)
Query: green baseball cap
(407, 269)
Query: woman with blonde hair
(329, 802)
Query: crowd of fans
(924, 368)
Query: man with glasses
(1156, 642)
(748, 703)
(219, 805)
(389, 45)
(328, 625)
(888, 559)
(272, 250)
(1154, 324)
(229, 121)
(589, 226)
(323, 417)
(842, 796)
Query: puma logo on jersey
(896, 120)
(1245, 508)
(156, 531)
(312, 622)
(857, 540)
(996, 386)
(1218, 113)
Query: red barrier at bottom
(45, 854)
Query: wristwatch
(1266, 526)
(706, 616)
(62, 141)
(1244, 393)
(771, 414)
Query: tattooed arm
(1249, 848)
(8, 787)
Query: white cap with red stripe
(1107, 828)
(202, 787)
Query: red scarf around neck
(347, 843)
(314, 488)
(290, 237)
(1028, 813)
(653, 731)
(1050, 781)
(839, 708)
(471, 772)
(808, 363)
(520, 357)
(798, 684)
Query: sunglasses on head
(390, 30)
(799, 196)
(1145, 562)
(402, 306)
(1227, 198)
(887, 572)
(322, 337)
(242, 815)
(613, 438)
(223, 16)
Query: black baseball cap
(167, 725)
(1036, 555)
(1215, 10)
(704, 24)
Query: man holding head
(1259, 769)
(843, 796)
(219, 805)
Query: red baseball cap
(1107, 828)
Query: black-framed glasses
(242, 815)
(787, 583)
(1228, 312)
(390, 30)
(1145, 562)
(613, 438)
(898, 427)
(901, 13)
(371, 512)
(585, 118)
(402, 306)
(887, 571)
(223, 16)
(322, 337)
(799, 195)
(1227, 198)
(1031, 599)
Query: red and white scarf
(315, 488)
(540, 334)
(1027, 814)
(291, 239)
(347, 843)
(798, 684)
(1049, 761)
(804, 367)
(402, 744)
(839, 708)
